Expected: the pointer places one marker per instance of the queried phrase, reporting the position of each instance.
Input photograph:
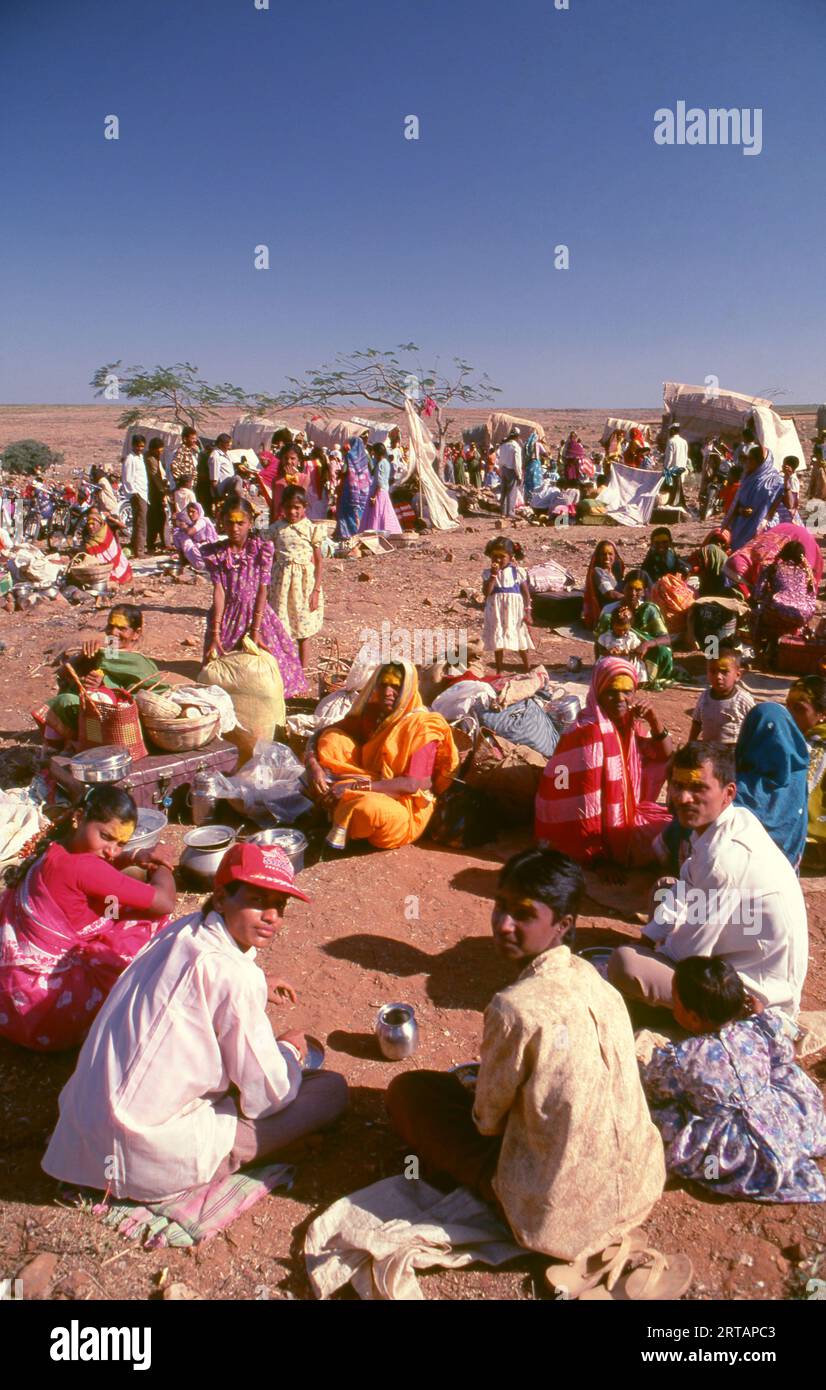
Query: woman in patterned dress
(735, 1111)
(240, 567)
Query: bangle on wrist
(663, 734)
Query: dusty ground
(358, 944)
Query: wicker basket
(182, 735)
(332, 669)
(86, 573)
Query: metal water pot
(397, 1031)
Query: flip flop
(587, 1271)
(658, 1276)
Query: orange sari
(353, 749)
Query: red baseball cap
(266, 866)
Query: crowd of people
(569, 1133)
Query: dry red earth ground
(410, 925)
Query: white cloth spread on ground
(630, 495)
(378, 1237)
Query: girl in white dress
(508, 608)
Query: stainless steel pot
(107, 764)
(205, 848)
(397, 1031)
(293, 843)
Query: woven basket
(88, 572)
(99, 725)
(182, 735)
(332, 669)
(155, 706)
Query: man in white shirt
(221, 467)
(181, 1079)
(737, 896)
(675, 466)
(135, 481)
(509, 460)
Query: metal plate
(467, 1073)
(314, 1061)
(598, 957)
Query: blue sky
(284, 127)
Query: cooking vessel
(293, 843)
(150, 826)
(397, 1030)
(107, 764)
(204, 849)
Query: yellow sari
(354, 748)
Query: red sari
(62, 948)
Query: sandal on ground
(657, 1277)
(587, 1271)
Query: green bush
(27, 456)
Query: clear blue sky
(285, 127)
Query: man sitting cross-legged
(181, 1079)
(737, 895)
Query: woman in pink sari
(65, 930)
(743, 568)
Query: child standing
(296, 593)
(724, 704)
(508, 608)
(736, 1113)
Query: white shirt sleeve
(268, 1076)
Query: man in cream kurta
(581, 1161)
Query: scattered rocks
(180, 1293)
(38, 1274)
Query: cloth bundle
(378, 1237)
(527, 723)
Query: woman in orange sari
(378, 771)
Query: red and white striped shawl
(591, 785)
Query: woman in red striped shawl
(590, 801)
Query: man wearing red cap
(181, 1079)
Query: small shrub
(27, 456)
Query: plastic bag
(460, 698)
(268, 788)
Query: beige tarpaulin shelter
(702, 411)
(255, 432)
(615, 423)
(332, 434)
(499, 426)
(166, 430)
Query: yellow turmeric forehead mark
(235, 516)
(123, 831)
(724, 665)
(118, 622)
(390, 678)
(621, 683)
(687, 776)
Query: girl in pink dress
(240, 567)
(66, 932)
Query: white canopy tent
(337, 433)
(151, 429)
(442, 510)
(255, 432)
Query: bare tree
(177, 391)
(386, 379)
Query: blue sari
(772, 759)
(354, 492)
(533, 466)
(757, 491)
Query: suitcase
(161, 779)
(801, 656)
